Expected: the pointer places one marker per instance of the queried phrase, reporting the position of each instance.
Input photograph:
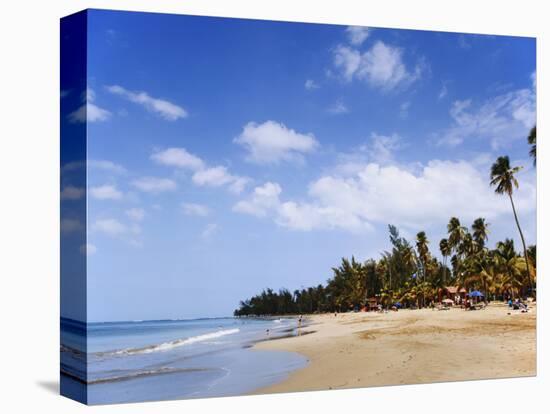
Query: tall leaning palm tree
(503, 177)
(532, 140)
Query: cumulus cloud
(193, 209)
(178, 157)
(310, 85)
(154, 185)
(219, 176)
(381, 148)
(263, 200)
(381, 66)
(110, 227)
(443, 91)
(135, 214)
(103, 165)
(338, 107)
(266, 201)
(499, 120)
(70, 192)
(108, 166)
(272, 142)
(165, 109)
(389, 194)
(357, 34)
(203, 175)
(105, 192)
(88, 249)
(89, 111)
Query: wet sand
(410, 347)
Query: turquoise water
(162, 360)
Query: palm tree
(423, 255)
(446, 251)
(480, 231)
(503, 177)
(532, 140)
(511, 266)
(456, 232)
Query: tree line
(409, 273)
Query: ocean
(172, 359)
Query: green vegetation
(409, 273)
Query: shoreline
(356, 350)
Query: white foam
(179, 342)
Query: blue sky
(227, 155)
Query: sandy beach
(410, 347)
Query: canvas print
(253, 207)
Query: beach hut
(454, 293)
(372, 303)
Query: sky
(225, 156)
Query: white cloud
(203, 175)
(136, 214)
(338, 107)
(443, 91)
(111, 227)
(348, 61)
(380, 148)
(70, 192)
(165, 109)
(105, 192)
(272, 142)
(381, 66)
(357, 34)
(71, 225)
(154, 185)
(263, 199)
(178, 157)
(89, 112)
(107, 166)
(238, 184)
(213, 177)
(209, 231)
(310, 85)
(88, 249)
(499, 120)
(390, 194)
(193, 209)
(219, 176)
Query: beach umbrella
(476, 293)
